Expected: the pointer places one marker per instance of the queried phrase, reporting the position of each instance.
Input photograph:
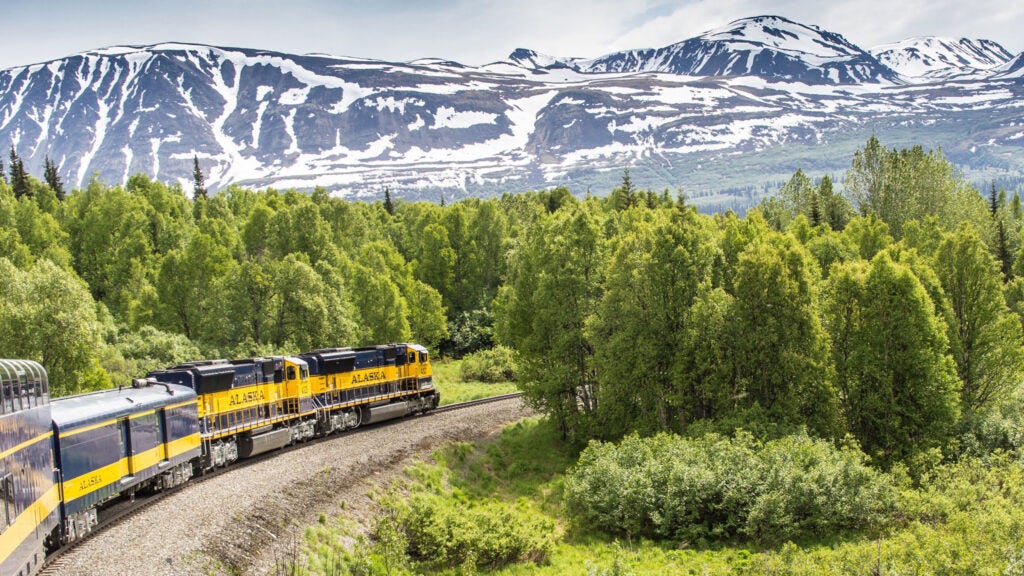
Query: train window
(7, 493)
(23, 484)
(291, 373)
(161, 427)
(424, 358)
(303, 373)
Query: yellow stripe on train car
(27, 522)
(354, 379)
(158, 454)
(148, 459)
(25, 444)
(182, 445)
(65, 434)
(92, 481)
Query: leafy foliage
(900, 326)
(492, 365)
(487, 535)
(986, 338)
(48, 316)
(897, 382)
(552, 294)
(716, 487)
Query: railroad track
(477, 402)
(121, 509)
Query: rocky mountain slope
(942, 58)
(721, 116)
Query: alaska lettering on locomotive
(247, 397)
(369, 377)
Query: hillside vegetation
(855, 355)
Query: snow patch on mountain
(1012, 69)
(773, 32)
(446, 117)
(771, 47)
(535, 60)
(260, 118)
(933, 57)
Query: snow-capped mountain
(720, 114)
(770, 47)
(533, 59)
(941, 58)
(1012, 69)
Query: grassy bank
(964, 518)
(454, 389)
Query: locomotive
(62, 459)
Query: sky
(472, 32)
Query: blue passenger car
(28, 496)
(118, 442)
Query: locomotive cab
(419, 366)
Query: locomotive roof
(223, 365)
(71, 412)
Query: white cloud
(865, 23)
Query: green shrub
(717, 487)
(492, 534)
(493, 365)
(809, 487)
(1001, 428)
(469, 332)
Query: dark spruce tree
(3, 175)
(388, 205)
(199, 181)
(625, 196)
(19, 179)
(52, 178)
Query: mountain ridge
(355, 125)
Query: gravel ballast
(241, 522)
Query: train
(63, 459)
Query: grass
(967, 519)
(454, 389)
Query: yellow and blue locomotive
(255, 405)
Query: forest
(839, 343)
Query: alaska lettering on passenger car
(245, 398)
(370, 377)
(89, 482)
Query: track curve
(229, 522)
